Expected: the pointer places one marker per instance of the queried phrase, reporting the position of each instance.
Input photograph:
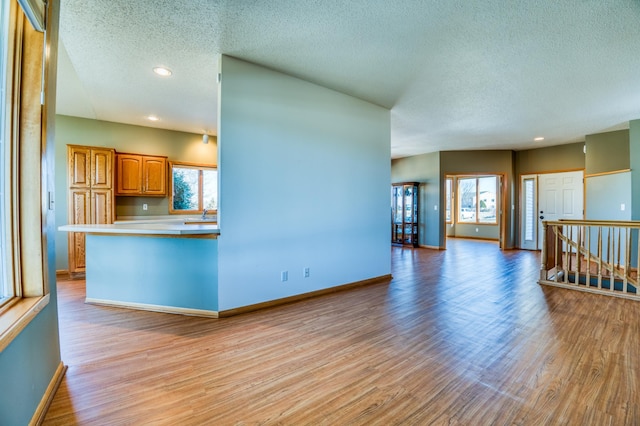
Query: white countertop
(146, 228)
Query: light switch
(622, 207)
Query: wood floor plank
(462, 336)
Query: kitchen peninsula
(169, 266)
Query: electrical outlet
(145, 207)
(284, 276)
(305, 272)
(476, 229)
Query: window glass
(185, 188)
(210, 189)
(529, 212)
(478, 199)
(487, 199)
(467, 197)
(448, 201)
(193, 188)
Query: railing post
(543, 255)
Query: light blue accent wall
(304, 182)
(174, 272)
(27, 366)
(605, 194)
(424, 169)
(634, 164)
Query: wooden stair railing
(594, 256)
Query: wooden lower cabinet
(101, 206)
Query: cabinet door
(102, 168)
(102, 206)
(79, 161)
(79, 213)
(154, 176)
(129, 172)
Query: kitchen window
(477, 200)
(194, 188)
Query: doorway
(474, 207)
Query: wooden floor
(459, 337)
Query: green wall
(500, 162)
(634, 163)
(560, 158)
(177, 146)
(607, 152)
(424, 169)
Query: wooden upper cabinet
(90, 167)
(129, 174)
(154, 175)
(144, 175)
(102, 168)
(79, 166)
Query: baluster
(556, 256)
(565, 248)
(609, 261)
(544, 262)
(626, 259)
(637, 281)
(577, 249)
(600, 257)
(587, 254)
(619, 255)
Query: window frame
(459, 207)
(197, 166)
(448, 200)
(24, 125)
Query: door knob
(541, 217)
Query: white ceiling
(489, 74)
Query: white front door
(560, 196)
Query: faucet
(204, 214)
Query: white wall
(304, 182)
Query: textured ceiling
(455, 74)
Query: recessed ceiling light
(162, 71)
(538, 139)
(152, 118)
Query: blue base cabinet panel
(162, 271)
